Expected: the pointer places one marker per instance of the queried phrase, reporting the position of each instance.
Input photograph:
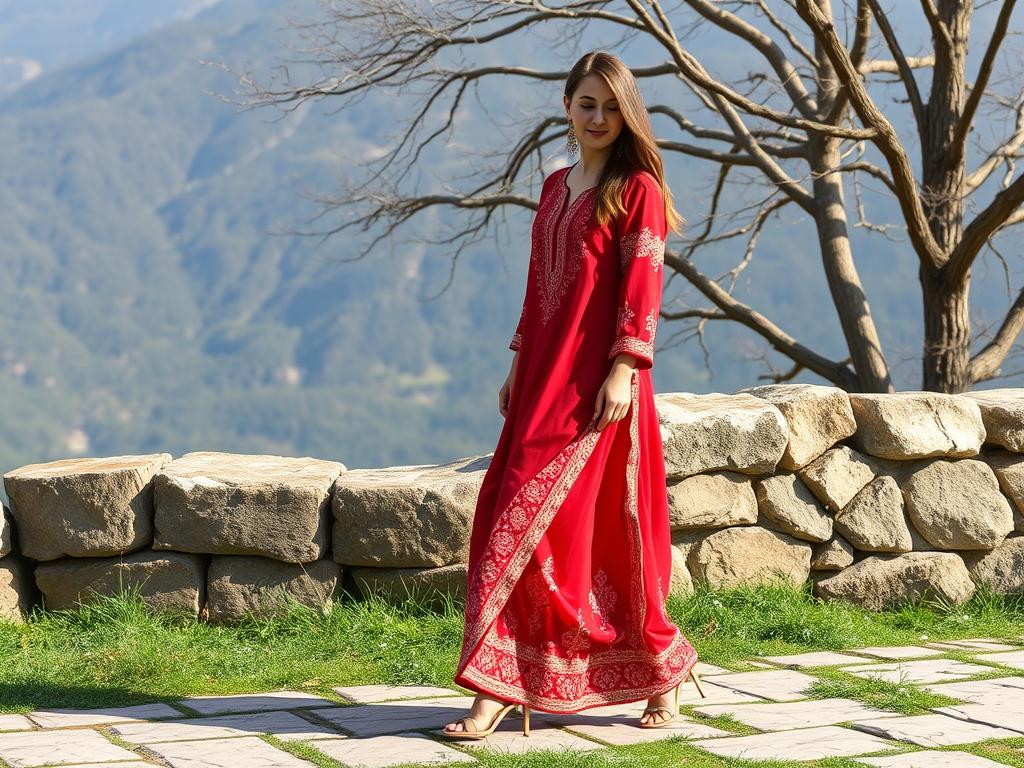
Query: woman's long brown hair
(635, 148)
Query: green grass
(114, 652)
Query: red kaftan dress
(570, 558)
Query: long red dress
(570, 558)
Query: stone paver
(797, 714)
(509, 739)
(285, 725)
(1004, 715)
(369, 694)
(132, 764)
(261, 702)
(800, 744)
(251, 752)
(617, 724)
(974, 644)
(68, 718)
(1013, 659)
(714, 694)
(382, 751)
(898, 651)
(927, 758)
(775, 684)
(998, 690)
(919, 671)
(397, 716)
(626, 732)
(36, 748)
(814, 659)
(933, 730)
(15, 723)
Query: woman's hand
(614, 396)
(505, 393)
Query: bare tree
(808, 126)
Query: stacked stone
(15, 574)
(210, 533)
(404, 531)
(875, 498)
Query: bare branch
(984, 225)
(891, 67)
(958, 147)
(886, 138)
(838, 373)
(985, 364)
(902, 66)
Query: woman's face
(594, 112)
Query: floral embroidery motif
(558, 244)
(626, 315)
(548, 568)
(642, 245)
(603, 601)
(651, 324)
(633, 345)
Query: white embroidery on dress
(631, 344)
(651, 324)
(642, 245)
(548, 569)
(626, 315)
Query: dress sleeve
(517, 337)
(641, 255)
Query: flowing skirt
(569, 569)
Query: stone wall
(872, 497)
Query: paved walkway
(388, 725)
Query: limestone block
(407, 517)
(16, 589)
(917, 425)
(6, 538)
(881, 581)
(166, 581)
(1002, 412)
(832, 555)
(681, 583)
(1002, 568)
(749, 554)
(1009, 469)
(262, 586)
(87, 507)
(791, 508)
(837, 476)
(957, 505)
(714, 500)
(236, 504)
(395, 585)
(705, 433)
(874, 521)
(817, 417)
(685, 541)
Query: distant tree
(809, 127)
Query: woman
(570, 558)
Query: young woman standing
(570, 558)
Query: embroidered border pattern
(517, 341)
(633, 345)
(642, 245)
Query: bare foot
(483, 711)
(664, 700)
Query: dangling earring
(572, 145)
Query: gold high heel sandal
(673, 714)
(469, 722)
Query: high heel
(469, 722)
(673, 713)
(696, 681)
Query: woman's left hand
(613, 398)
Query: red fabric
(570, 556)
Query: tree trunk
(848, 295)
(947, 331)
(843, 280)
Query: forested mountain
(155, 302)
